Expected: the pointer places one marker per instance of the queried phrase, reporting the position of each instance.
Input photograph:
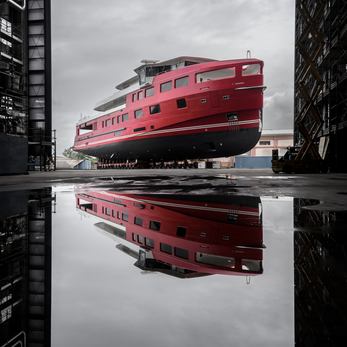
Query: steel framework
(320, 105)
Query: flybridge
(145, 74)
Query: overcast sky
(97, 44)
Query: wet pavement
(214, 259)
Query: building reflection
(183, 236)
(25, 268)
(320, 253)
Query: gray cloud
(97, 44)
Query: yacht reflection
(25, 268)
(183, 236)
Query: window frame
(156, 108)
(149, 89)
(138, 110)
(198, 80)
(181, 78)
(169, 83)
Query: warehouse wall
(13, 154)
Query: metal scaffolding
(25, 267)
(42, 140)
(13, 116)
(320, 105)
(26, 137)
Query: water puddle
(100, 266)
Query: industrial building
(25, 86)
(320, 106)
(25, 268)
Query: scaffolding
(13, 115)
(25, 267)
(27, 140)
(42, 139)
(320, 105)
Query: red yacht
(183, 236)
(183, 108)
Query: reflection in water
(320, 251)
(25, 268)
(183, 236)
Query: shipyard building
(26, 138)
(320, 106)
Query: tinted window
(252, 69)
(149, 242)
(149, 92)
(216, 260)
(181, 231)
(138, 221)
(166, 248)
(154, 109)
(181, 253)
(125, 217)
(154, 225)
(138, 113)
(215, 75)
(139, 205)
(140, 239)
(139, 129)
(119, 119)
(166, 86)
(125, 117)
(140, 95)
(181, 103)
(181, 82)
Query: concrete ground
(330, 189)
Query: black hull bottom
(206, 145)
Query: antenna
(248, 54)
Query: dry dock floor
(329, 189)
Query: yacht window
(149, 242)
(165, 248)
(181, 253)
(139, 129)
(134, 97)
(252, 69)
(181, 82)
(181, 103)
(140, 239)
(216, 260)
(140, 95)
(138, 221)
(149, 92)
(125, 117)
(119, 119)
(215, 75)
(164, 87)
(154, 225)
(138, 113)
(125, 217)
(181, 231)
(154, 109)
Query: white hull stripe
(171, 130)
(202, 208)
(185, 206)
